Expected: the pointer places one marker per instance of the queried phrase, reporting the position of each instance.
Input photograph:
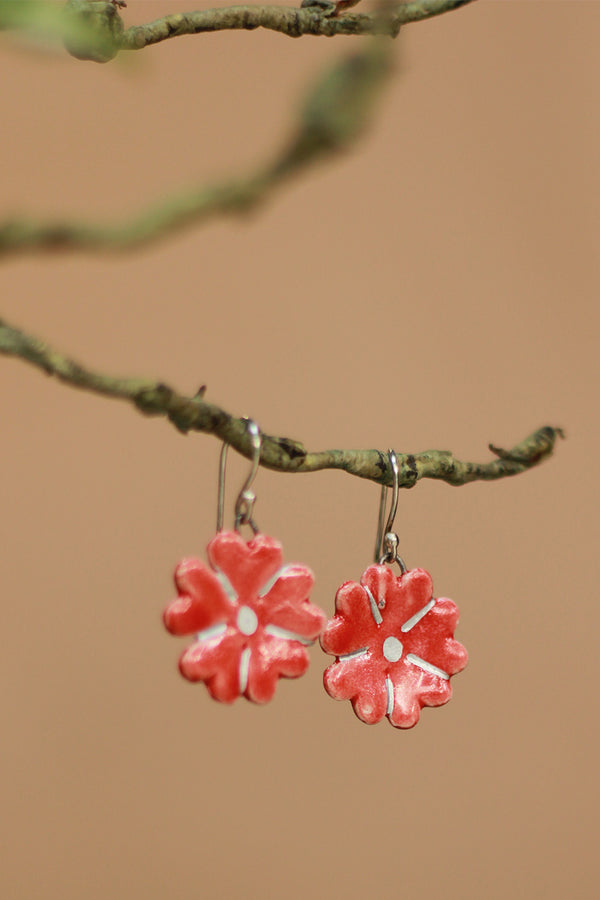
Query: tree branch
(293, 22)
(335, 114)
(98, 26)
(154, 398)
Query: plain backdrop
(436, 287)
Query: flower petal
(360, 680)
(434, 691)
(216, 662)
(399, 598)
(380, 581)
(247, 566)
(406, 709)
(353, 626)
(271, 660)
(286, 604)
(202, 601)
(413, 689)
(433, 638)
(371, 706)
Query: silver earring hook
(246, 498)
(386, 544)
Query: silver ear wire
(386, 543)
(246, 498)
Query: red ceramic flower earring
(394, 641)
(250, 614)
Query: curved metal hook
(246, 498)
(386, 544)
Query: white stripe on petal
(354, 654)
(285, 635)
(226, 585)
(426, 666)
(410, 623)
(213, 631)
(374, 608)
(390, 696)
(269, 584)
(244, 667)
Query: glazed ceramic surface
(394, 644)
(249, 614)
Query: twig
(154, 398)
(334, 115)
(293, 22)
(101, 19)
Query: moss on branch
(154, 398)
(335, 113)
(291, 21)
(94, 29)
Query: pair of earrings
(252, 620)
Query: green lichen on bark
(155, 398)
(334, 114)
(94, 30)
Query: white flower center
(247, 620)
(392, 649)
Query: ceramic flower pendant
(250, 617)
(394, 644)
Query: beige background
(436, 288)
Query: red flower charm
(394, 644)
(250, 615)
